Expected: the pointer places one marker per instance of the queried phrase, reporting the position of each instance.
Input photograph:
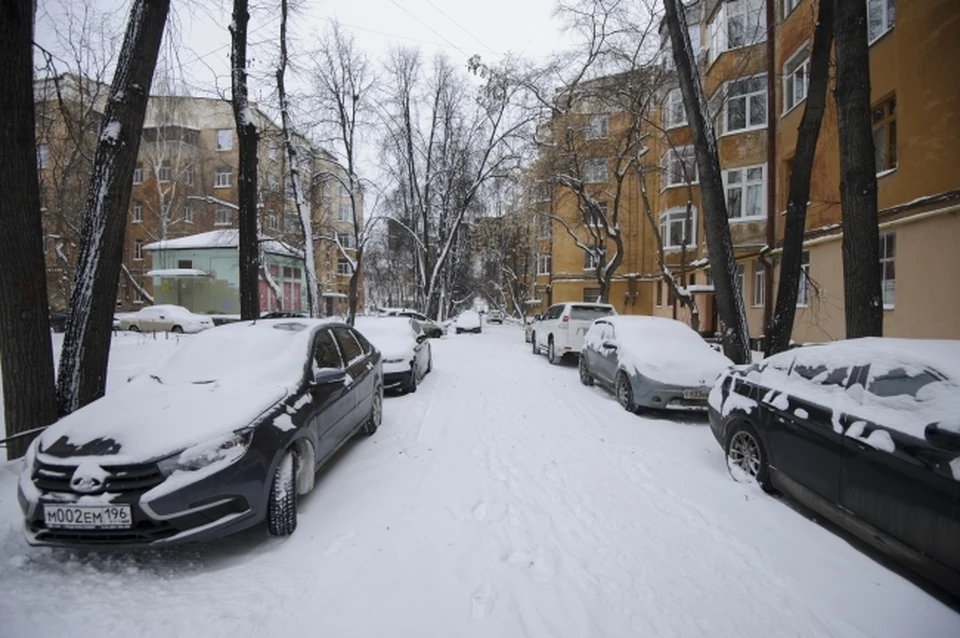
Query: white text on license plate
(87, 516)
(700, 395)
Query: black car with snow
(864, 432)
(222, 435)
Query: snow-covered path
(502, 499)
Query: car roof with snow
(886, 353)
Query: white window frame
(272, 222)
(596, 171)
(672, 168)
(597, 127)
(223, 139)
(189, 175)
(718, 30)
(223, 217)
(188, 213)
(747, 98)
(138, 175)
(672, 216)
(889, 284)
(219, 181)
(346, 240)
(343, 267)
(887, 13)
(344, 213)
(591, 259)
(803, 292)
(164, 173)
(138, 250)
(736, 179)
(544, 227)
(544, 263)
(795, 88)
(674, 111)
(759, 284)
(43, 155)
(137, 213)
(789, 6)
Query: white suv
(561, 328)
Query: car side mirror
(943, 438)
(610, 345)
(421, 338)
(327, 376)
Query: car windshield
(267, 353)
(589, 313)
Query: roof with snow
(226, 238)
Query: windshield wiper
(157, 379)
(206, 382)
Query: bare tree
(26, 356)
(86, 347)
(781, 326)
(248, 137)
(729, 300)
(862, 276)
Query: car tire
(133, 328)
(282, 503)
(746, 456)
(625, 392)
(585, 377)
(533, 340)
(177, 330)
(373, 421)
(552, 353)
(412, 383)
(459, 330)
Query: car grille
(120, 478)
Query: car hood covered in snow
(392, 336)
(148, 419)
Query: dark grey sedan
(222, 436)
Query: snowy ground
(502, 499)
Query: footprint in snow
(483, 600)
(480, 511)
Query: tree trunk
(247, 137)
(86, 346)
(729, 300)
(863, 298)
(26, 356)
(781, 325)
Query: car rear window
(897, 382)
(589, 313)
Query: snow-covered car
(166, 318)
(468, 321)
(407, 357)
(222, 435)
(495, 316)
(865, 432)
(650, 362)
(560, 330)
(430, 327)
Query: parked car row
(865, 432)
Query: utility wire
(461, 27)
(434, 31)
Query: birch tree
(86, 346)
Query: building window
(273, 151)
(745, 188)
(291, 223)
(137, 249)
(43, 156)
(272, 222)
(344, 191)
(184, 263)
(759, 283)
(736, 24)
(222, 178)
(880, 15)
(667, 51)
(543, 264)
(43, 200)
(223, 217)
(595, 171)
(659, 294)
(137, 214)
(597, 127)
(188, 213)
(345, 240)
(796, 77)
(746, 104)
(591, 258)
(674, 112)
(138, 174)
(789, 6)
(596, 217)
(888, 253)
(138, 293)
(189, 175)
(741, 283)
(344, 213)
(224, 139)
(543, 227)
(680, 162)
(803, 292)
(343, 267)
(885, 134)
(676, 229)
(591, 295)
(164, 173)
(165, 210)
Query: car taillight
(565, 318)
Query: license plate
(696, 395)
(87, 516)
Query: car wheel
(282, 506)
(533, 340)
(459, 330)
(625, 393)
(412, 383)
(376, 414)
(133, 328)
(177, 330)
(746, 458)
(552, 353)
(585, 377)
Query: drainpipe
(771, 168)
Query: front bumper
(655, 396)
(171, 511)
(396, 380)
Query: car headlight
(30, 457)
(227, 448)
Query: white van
(560, 330)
